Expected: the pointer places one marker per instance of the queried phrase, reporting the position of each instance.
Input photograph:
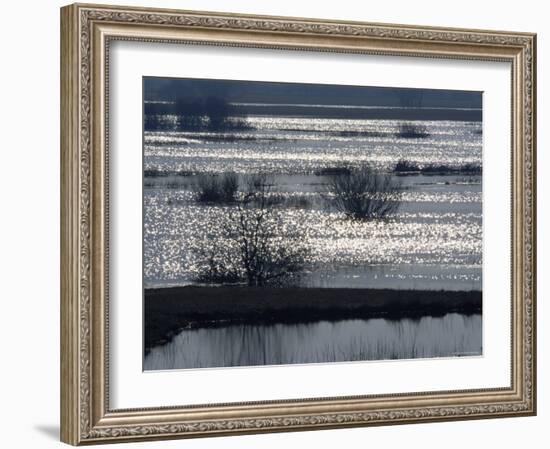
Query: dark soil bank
(168, 310)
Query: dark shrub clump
(365, 194)
(216, 188)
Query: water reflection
(321, 342)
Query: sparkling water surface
(433, 242)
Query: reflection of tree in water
(254, 247)
(321, 342)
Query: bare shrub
(216, 188)
(218, 266)
(405, 166)
(365, 194)
(229, 186)
(412, 131)
(256, 249)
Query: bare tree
(257, 251)
(365, 194)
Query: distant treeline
(218, 109)
(212, 114)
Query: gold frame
(86, 31)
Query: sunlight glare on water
(436, 236)
(300, 145)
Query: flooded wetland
(311, 197)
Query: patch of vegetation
(412, 131)
(235, 138)
(216, 188)
(170, 179)
(298, 202)
(359, 134)
(333, 171)
(471, 169)
(150, 173)
(212, 114)
(407, 167)
(256, 249)
(441, 169)
(404, 166)
(365, 194)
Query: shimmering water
(304, 145)
(348, 340)
(433, 242)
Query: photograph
(293, 223)
(277, 223)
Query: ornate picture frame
(87, 31)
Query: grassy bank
(168, 310)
